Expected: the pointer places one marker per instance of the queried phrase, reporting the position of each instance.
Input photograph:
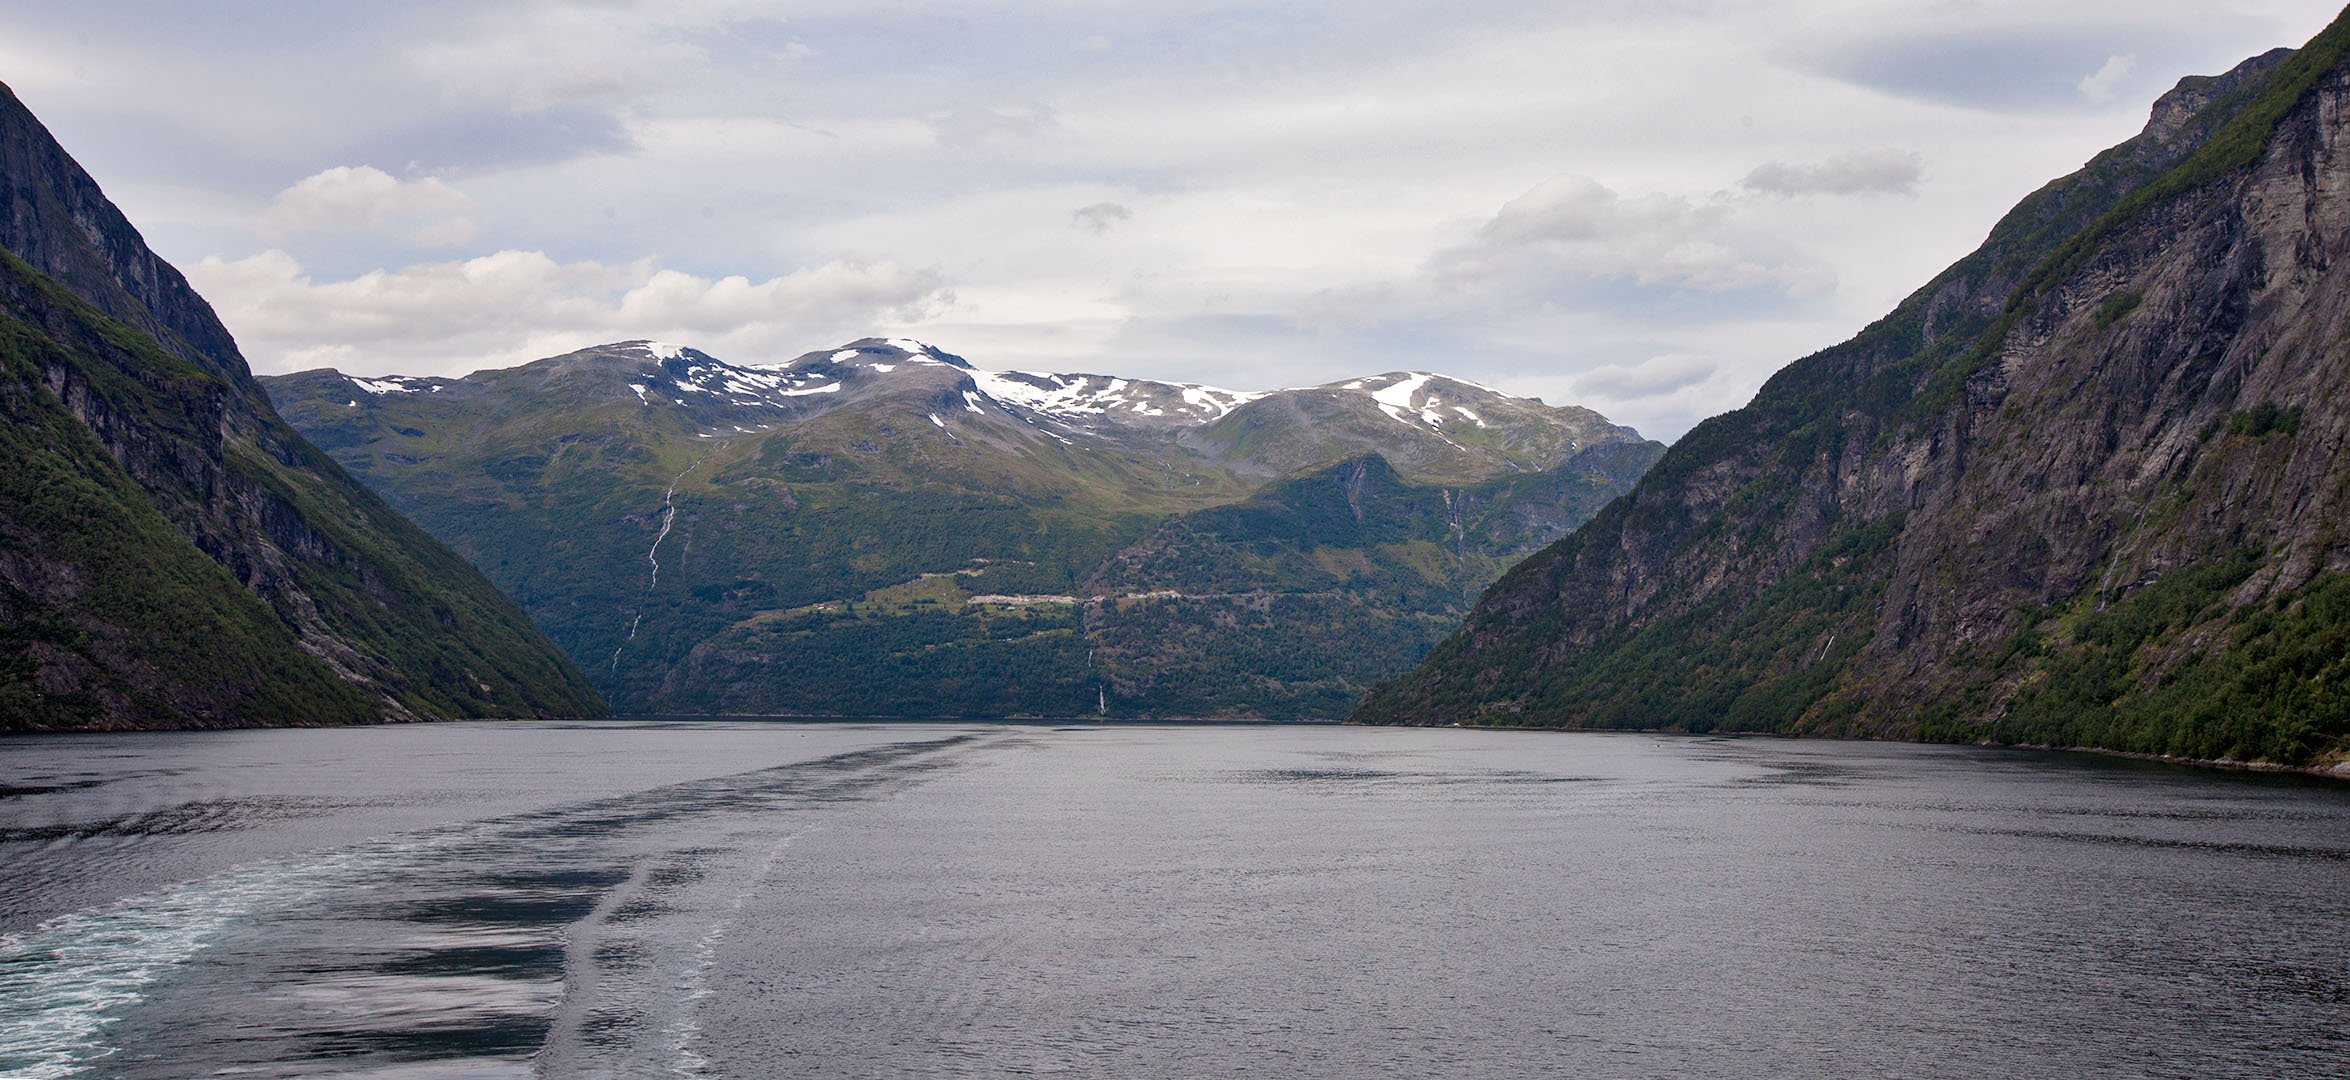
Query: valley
(884, 529)
(574, 627)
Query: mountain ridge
(2070, 492)
(1073, 403)
(273, 587)
(917, 511)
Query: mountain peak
(658, 350)
(2064, 494)
(1072, 397)
(1424, 399)
(2173, 111)
(1406, 396)
(1427, 424)
(883, 354)
(882, 528)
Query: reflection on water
(836, 900)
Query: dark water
(754, 900)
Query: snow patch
(749, 386)
(390, 384)
(1395, 399)
(1076, 396)
(907, 344)
(844, 355)
(1215, 402)
(971, 402)
(942, 425)
(640, 393)
(740, 381)
(661, 350)
(1401, 392)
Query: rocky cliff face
(2086, 487)
(109, 349)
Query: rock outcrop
(2087, 487)
(171, 553)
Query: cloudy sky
(1645, 207)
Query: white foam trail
(685, 1027)
(62, 983)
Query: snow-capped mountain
(1427, 425)
(1381, 412)
(885, 527)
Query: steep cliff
(2086, 487)
(171, 553)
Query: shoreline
(2338, 771)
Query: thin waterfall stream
(652, 557)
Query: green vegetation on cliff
(2056, 497)
(171, 554)
(120, 616)
(873, 531)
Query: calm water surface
(767, 899)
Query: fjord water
(769, 899)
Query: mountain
(171, 553)
(885, 529)
(2085, 488)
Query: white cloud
(1313, 190)
(1333, 310)
(515, 306)
(1890, 172)
(363, 196)
(1664, 394)
(2098, 87)
(966, 125)
(1578, 208)
(532, 56)
(835, 294)
(1649, 378)
(1096, 218)
(448, 232)
(1577, 227)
